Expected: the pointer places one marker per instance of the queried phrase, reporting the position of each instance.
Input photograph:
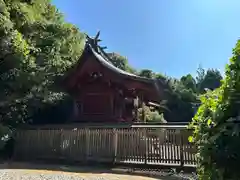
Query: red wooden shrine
(103, 92)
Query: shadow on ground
(93, 169)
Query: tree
(216, 127)
(121, 62)
(210, 79)
(118, 61)
(160, 76)
(36, 48)
(200, 74)
(146, 73)
(179, 101)
(189, 82)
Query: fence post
(87, 143)
(60, 143)
(181, 149)
(115, 145)
(146, 145)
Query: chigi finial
(93, 41)
(97, 36)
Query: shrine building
(105, 93)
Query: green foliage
(146, 73)
(121, 62)
(200, 74)
(5, 134)
(215, 132)
(210, 79)
(160, 76)
(189, 82)
(36, 48)
(179, 101)
(151, 115)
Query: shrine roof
(105, 60)
(91, 47)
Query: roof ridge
(94, 44)
(103, 57)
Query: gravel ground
(27, 171)
(51, 175)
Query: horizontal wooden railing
(161, 144)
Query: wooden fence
(140, 144)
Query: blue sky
(168, 36)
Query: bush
(216, 132)
(6, 146)
(5, 135)
(151, 115)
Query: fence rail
(138, 144)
